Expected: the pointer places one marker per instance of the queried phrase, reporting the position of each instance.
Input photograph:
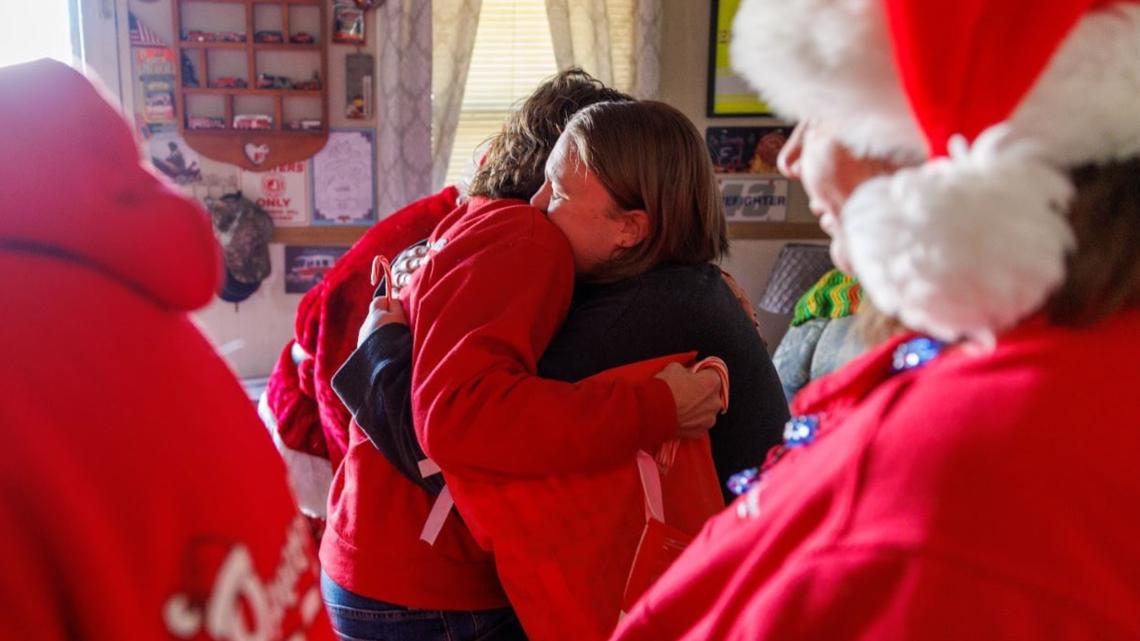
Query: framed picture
(746, 150)
(343, 179)
(729, 95)
(348, 24)
(305, 266)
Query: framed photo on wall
(729, 94)
(343, 179)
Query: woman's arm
(481, 321)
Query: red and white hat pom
(1002, 97)
(962, 246)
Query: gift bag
(564, 545)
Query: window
(33, 30)
(512, 54)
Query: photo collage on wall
(744, 157)
(335, 187)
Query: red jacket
(990, 496)
(300, 408)
(139, 496)
(372, 543)
(482, 309)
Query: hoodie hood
(72, 184)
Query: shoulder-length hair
(649, 156)
(515, 162)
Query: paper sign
(344, 179)
(283, 192)
(754, 200)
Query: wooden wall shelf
(320, 236)
(775, 231)
(251, 149)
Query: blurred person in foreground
(139, 496)
(977, 475)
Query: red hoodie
(139, 496)
(978, 497)
(520, 452)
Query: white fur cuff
(309, 476)
(965, 246)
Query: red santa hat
(995, 100)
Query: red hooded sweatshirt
(978, 497)
(139, 496)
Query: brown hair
(514, 165)
(649, 156)
(1102, 276)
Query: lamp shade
(797, 268)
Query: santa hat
(996, 98)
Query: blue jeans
(358, 618)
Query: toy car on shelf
(312, 84)
(201, 36)
(302, 38)
(232, 36)
(253, 121)
(308, 124)
(268, 37)
(205, 122)
(229, 82)
(270, 81)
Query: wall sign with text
(754, 200)
(283, 192)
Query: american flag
(141, 35)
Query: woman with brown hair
(977, 475)
(540, 472)
(661, 294)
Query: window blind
(512, 54)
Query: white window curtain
(404, 72)
(517, 43)
(454, 24)
(617, 41)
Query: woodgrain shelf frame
(272, 147)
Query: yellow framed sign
(728, 93)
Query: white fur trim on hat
(829, 60)
(310, 476)
(965, 246)
(969, 245)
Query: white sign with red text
(281, 191)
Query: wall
(684, 65)
(252, 333)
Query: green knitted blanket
(834, 295)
